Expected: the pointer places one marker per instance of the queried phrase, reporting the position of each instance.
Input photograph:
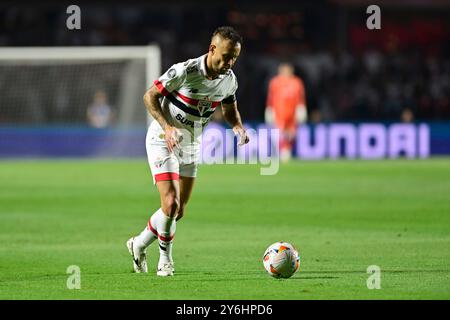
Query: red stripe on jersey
(161, 88)
(166, 176)
(191, 101)
(215, 104)
(194, 102)
(150, 227)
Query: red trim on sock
(150, 227)
(164, 238)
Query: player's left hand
(243, 137)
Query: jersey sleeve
(231, 97)
(172, 79)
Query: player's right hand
(172, 136)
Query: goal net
(68, 92)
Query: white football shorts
(164, 165)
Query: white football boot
(139, 258)
(165, 269)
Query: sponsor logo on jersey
(185, 121)
(188, 122)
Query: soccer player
(181, 103)
(286, 106)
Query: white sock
(165, 227)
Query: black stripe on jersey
(186, 109)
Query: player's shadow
(247, 274)
(299, 277)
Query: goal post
(20, 59)
(84, 88)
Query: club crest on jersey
(204, 105)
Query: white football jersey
(190, 98)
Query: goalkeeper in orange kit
(286, 107)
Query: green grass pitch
(343, 216)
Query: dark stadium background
(413, 43)
(397, 74)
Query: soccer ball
(281, 260)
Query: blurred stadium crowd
(398, 73)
